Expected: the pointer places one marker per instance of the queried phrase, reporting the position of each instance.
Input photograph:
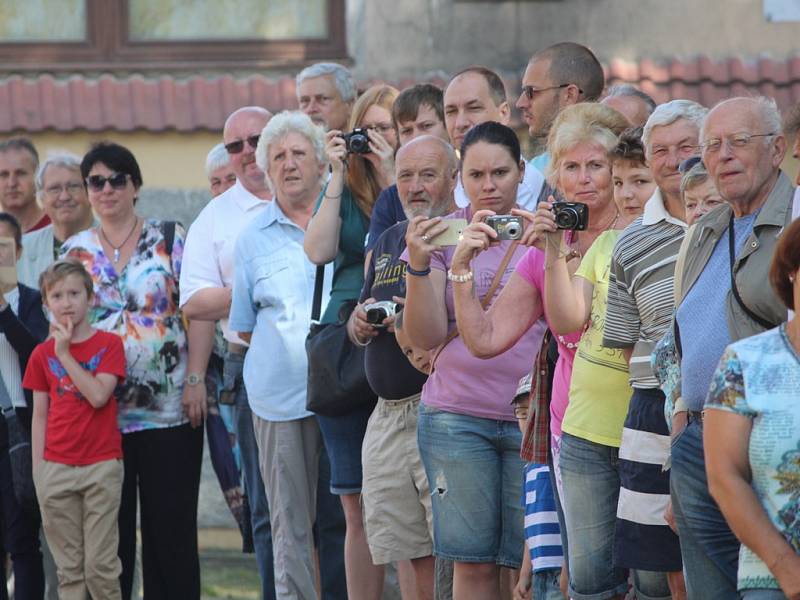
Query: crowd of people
(583, 366)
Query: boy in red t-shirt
(76, 444)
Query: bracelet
(459, 278)
(336, 197)
(358, 342)
(423, 273)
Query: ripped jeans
(475, 475)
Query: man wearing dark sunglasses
(206, 281)
(558, 76)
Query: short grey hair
(342, 78)
(284, 123)
(766, 108)
(668, 113)
(65, 160)
(694, 177)
(628, 90)
(217, 158)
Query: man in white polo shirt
(207, 277)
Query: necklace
(117, 248)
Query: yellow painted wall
(167, 159)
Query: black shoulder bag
(337, 381)
(19, 454)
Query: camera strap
(484, 301)
(316, 306)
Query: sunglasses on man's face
(238, 145)
(118, 181)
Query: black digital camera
(508, 227)
(571, 215)
(357, 141)
(378, 311)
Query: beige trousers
(79, 507)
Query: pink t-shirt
(463, 383)
(531, 269)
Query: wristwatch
(193, 379)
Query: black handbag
(337, 381)
(19, 454)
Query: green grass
(229, 575)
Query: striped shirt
(542, 533)
(640, 288)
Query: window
(168, 34)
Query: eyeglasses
(118, 181)
(382, 128)
(737, 140)
(238, 145)
(530, 91)
(56, 190)
(688, 164)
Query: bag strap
(484, 301)
(316, 306)
(732, 255)
(6, 406)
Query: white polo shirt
(208, 260)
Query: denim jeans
(475, 475)
(254, 485)
(763, 594)
(545, 585)
(710, 550)
(590, 476)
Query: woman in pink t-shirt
(468, 437)
(579, 143)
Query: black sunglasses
(118, 181)
(238, 145)
(687, 164)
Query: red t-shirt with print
(77, 433)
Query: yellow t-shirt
(599, 391)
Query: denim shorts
(343, 437)
(590, 475)
(475, 474)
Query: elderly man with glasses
(724, 296)
(62, 195)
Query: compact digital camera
(378, 311)
(508, 227)
(357, 141)
(571, 215)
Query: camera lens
(375, 316)
(513, 230)
(566, 218)
(359, 144)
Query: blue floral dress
(140, 304)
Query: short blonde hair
(582, 123)
(60, 270)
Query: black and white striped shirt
(640, 288)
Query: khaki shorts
(395, 492)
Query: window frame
(108, 47)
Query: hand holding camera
(476, 238)
(336, 150)
(420, 240)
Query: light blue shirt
(702, 316)
(540, 161)
(273, 291)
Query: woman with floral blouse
(135, 265)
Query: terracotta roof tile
(202, 103)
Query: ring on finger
(426, 237)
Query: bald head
(426, 169)
(743, 147)
(240, 136)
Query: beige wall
(410, 38)
(167, 159)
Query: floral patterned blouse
(140, 304)
(759, 378)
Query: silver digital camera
(378, 311)
(508, 227)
